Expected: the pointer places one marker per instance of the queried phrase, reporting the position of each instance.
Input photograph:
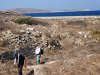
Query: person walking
(20, 60)
(38, 52)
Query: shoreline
(65, 17)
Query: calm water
(50, 14)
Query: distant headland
(35, 10)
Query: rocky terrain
(71, 44)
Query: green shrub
(24, 21)
(30, 21)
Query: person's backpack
(42, 51)
(37, 50)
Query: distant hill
(34, 10)
(28, 10)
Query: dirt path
(36, 69)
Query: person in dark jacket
(20, 60)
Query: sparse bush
(48, 34)
(77, 23)
(60, 37)
(4, 26)
(4, 43)
(55, 44)
(96, 34)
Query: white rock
(30, 29)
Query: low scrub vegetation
(4, 43)
(96, 34)
(24, 21)
(29, 21)
(77, 23)
(3, 26)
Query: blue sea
(53, 14)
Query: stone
(22, 31)
(85, 34)
(30, 29)
(28, 32)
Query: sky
(51, 4)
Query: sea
(53, 14)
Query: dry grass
(88, 65)
(77, 23)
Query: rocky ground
(71, 45)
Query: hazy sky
(51, 4)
